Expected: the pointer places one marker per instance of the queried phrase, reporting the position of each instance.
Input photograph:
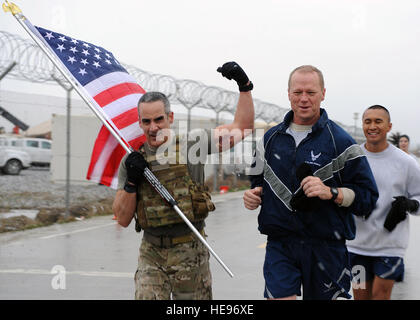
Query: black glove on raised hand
(232, 70)
(135, 164)
(300, 201)
(399, 208)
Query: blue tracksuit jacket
(335, 158)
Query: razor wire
(34, 66)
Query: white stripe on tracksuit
(324, 173)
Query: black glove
(232, 70)
(399, 208)
(135, 164)
(300, 201)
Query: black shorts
(321, 267)
(365, 268)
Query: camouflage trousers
(180, 273)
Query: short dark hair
(377, 106)
(153, 96)
(404, 136)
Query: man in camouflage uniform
(173, 263)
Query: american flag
(112, 90)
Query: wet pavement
(100, 257)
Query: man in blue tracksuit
(313, 178)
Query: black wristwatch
(334, 193)
(130, 188)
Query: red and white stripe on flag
(111, 89)
(117, 94)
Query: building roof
(42, 129)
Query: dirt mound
(48, 216)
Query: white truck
(12, 161)
(39, 150)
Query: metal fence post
(68, 89)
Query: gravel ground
(32, 200)
(33, 189)
(44, 200)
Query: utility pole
(68, 88)
(356, 118)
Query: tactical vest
(193, 200)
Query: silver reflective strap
(269, 293)
(387, 274)
(279, 189)
(337, 164)
(337, 294)
(345, 272)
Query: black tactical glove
(135, 164)
(399, 208)
(300, 201)
(232, 70)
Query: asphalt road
(100, 257)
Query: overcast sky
(368, 50)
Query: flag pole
(29, 28)
(24, 22)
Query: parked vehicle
(39, 150)
(12, 161)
